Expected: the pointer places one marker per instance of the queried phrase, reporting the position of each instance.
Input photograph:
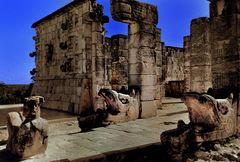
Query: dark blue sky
(16, 33)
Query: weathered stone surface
(210, 120)
(144, 80)
(175, 64)
(198, 75)
(212, 49)
(28, 132)
(142, 19)
(76, 41)
(119, 61)
(131, 10)
(120, 107)
(149, 109)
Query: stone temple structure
(74, 59)
(211, 52)
(213, 48)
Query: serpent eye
(124, 101)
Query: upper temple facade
(74, 59)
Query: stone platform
(67, 143)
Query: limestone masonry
(74, 59)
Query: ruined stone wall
(198, 76)
(119, 62)
(225, 35)
(68, 49)
(159, 71)
(175, 64)
(174, 72)
(187, 63)
(225, 40)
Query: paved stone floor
(67, 142)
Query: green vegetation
(14, 94)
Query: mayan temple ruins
(74, 59)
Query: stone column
(142, 19)
(97, 60)
(200, 57)
(98, 67)
(187, 76)
(119, 54)
(159, 74)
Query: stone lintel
(130, 11)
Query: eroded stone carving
(117, 107)
(28, 132)
(210, 120)
(120, 107)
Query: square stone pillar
(142, 65)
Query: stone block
(65, 105)
(205, 74)
(200, 60)
(68, 90)
(87, 27)
(121, 11)
(158, 71)
(148, 29)
(147, 40)
(65, 98)
(199, 86)
(143, 79)
(81, 43)
(134, 41)
(79, 91)
(133, 28)
(75, 99)
(134, 56)
(158, 104)
(77, 108)
(142, 68)
(147, 55)
(85, 7)
(143, 12)
(148, 93)
(99, 63)
(149, 109)
(158, 92)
